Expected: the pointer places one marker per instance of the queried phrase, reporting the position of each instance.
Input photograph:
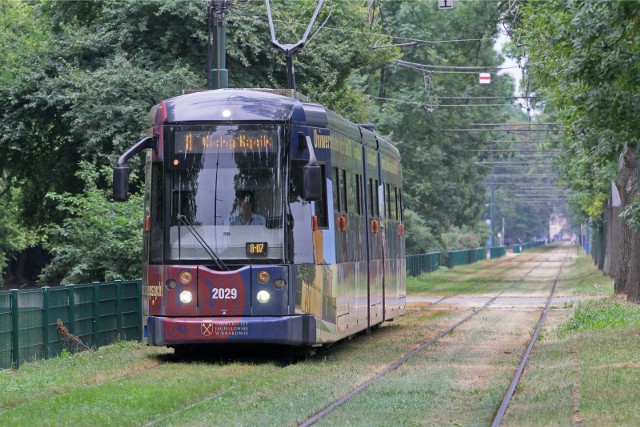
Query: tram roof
(242, 104)
(260, 105)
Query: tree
(584, 56)
(442, 183)
(81, 77)
(98, 240)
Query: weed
(65, 354)
(602, 314)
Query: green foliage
(631, 213)
(65, 354)
(442, 183)
(466, 238)
(419, 238)
(14, 236)
(584, 60)
(78, 79)
(22, 40)
(602, 314)
(98, 240)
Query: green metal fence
(522, 246)
(98, 314)
(497, 252)
(465, 256)
(422, 263)
(429, 262)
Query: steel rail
(402, 360)
(516, 378)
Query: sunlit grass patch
(462, 279)
(583, 278)
(603, 314)
(49, 377)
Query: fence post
(71, 308)
(119, 309)
(96, 315)
(15, 329)
(139, 295)
(45, 322)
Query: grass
(465, 279)
(598, 365)
(45, 378)
(589, 349)
(603, 314)
(587, 363)
(458, 381)
(86, 390)
(581, 278)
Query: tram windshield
(225, 193)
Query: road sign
(485, 78)
(445, 4)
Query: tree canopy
(78, 80)
(584, 59)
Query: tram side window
(358, 184)
(374, 209)
(336, 189)
(395, 203)
(340, 190)
(400, 205)
(370, 197)
(156, 212)
(352, 193)
(388, 201)
(343, 190)
(376, 205)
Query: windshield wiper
(183, 219)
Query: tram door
(374, 236)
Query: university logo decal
(206, 327)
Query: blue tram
(268, 219)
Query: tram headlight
(263, 297)
(186, 297)
(279, 284)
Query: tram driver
(242, 213)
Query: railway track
(442, 337)
(320, 415)
(502, 266)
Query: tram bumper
(296, 330)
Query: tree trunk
(628, 275)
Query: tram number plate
(224, 293)
(256, 248)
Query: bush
(419, 238)
(466, 238)
(99, 240)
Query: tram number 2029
(224, 293)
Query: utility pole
(492, 215)
(217, 74)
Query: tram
(267, 219)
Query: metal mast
(217, 74)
